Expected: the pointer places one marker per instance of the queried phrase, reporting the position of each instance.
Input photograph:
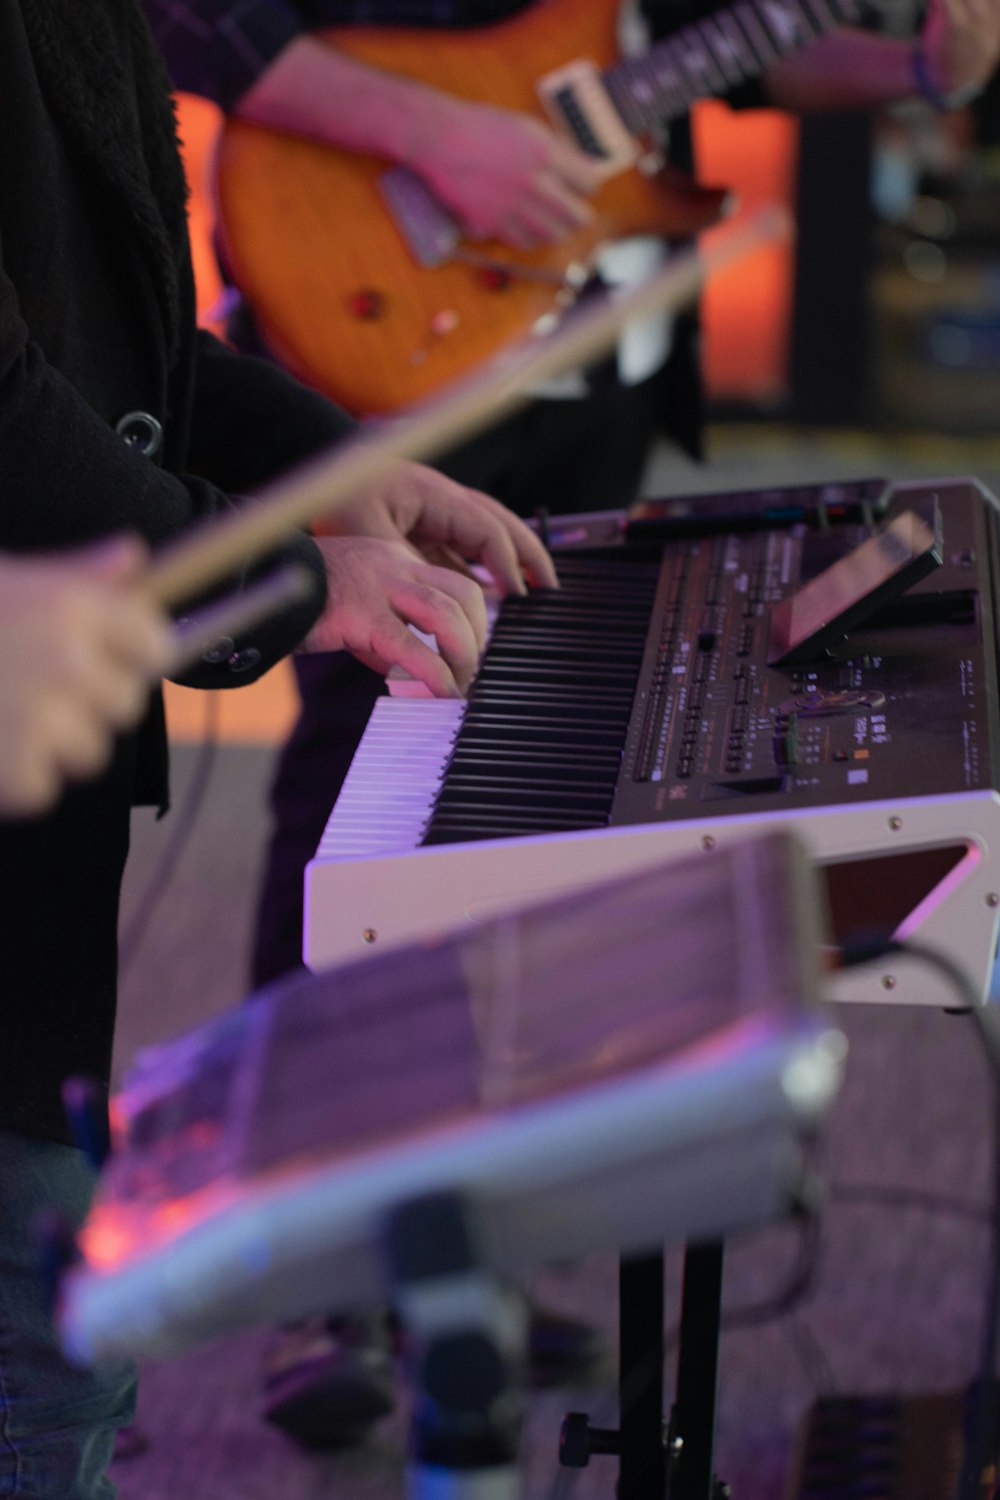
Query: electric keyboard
(633, 716)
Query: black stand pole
(692, 1475)
(660, 1460)
(642, 1451)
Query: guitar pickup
(578, 104)
(432, 235)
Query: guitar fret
(785, 22)
(619, 90)
(648, 91)
(814, 24)
(723, 53)
(737, 43)
(644, 95)
(664, 83)
(765, 54)
(712, 55)
(845, 12)
(684, 87)
(698, 58)
(825, 19)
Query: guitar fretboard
(716, 54)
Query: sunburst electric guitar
(361, 280)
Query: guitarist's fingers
(542, 220)
(577, 170)
(515, 231)
(566, 205)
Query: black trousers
(585, 454)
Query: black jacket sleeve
(252, 420)
(67, 477)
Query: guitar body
(337, 291)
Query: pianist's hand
(78, 652)
(377, 589)
(420, 506)
(397, 557)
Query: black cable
(784, 1304)
(801, 1281)
(874, 1195)
(798, 1286)
(980, 1448)
(137, 924)
(866, 949)
(812, 1356)
(802, 1278)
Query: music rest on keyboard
(633, 714)
(259, 1157)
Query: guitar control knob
(495, 278)
(445, 320)
(366, 304)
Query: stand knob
(578, 1441)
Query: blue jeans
(57, 1423)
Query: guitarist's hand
(504, 175)
(961, 43)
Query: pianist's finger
(435, 612)
(376, 589)
(386, 641)
(438, 615)
(464, 590)
(487, 532)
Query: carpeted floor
(896, 1298)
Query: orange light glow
(747, 310)
(199, 122)
(105, 1240)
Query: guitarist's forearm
(313, 89)
(845, 70)
(951, 61)
(500, 172)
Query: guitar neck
(716, 54)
